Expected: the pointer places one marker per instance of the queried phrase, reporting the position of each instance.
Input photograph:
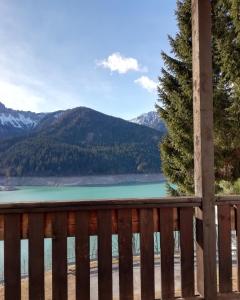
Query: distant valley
(78, 141)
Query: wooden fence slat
(59, 257)
(199, 251)
(105, 255)
(187, 252)
(147, 254)
(36, 256)
(238, 243)
(12, 258)
(167, 252)
(224, 249)
(125, 254)
(82, 256)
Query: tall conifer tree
(176, 103)
(227, 40)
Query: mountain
(152, 120)
(16, 123)
(79, 141)
(85, 126)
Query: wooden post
(204, 148)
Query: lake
(140, 190)
(49, 193)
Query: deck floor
(94, 283)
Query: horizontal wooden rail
(227, 199)
(93, 206)
(34, 206)
(71, 207)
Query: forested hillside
(81, 141)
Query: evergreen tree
(175, 96)
(227, 41)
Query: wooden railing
(36, 221)
(229, 244)
(82, 219)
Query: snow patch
(18, 121)
(150, 119)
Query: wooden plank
(203, 144)
(147, 254)
(228, 199)
(199, 251)
(167, 253)
(12, 258)
(52, 206)
(105, 255)
(224, 249)
(36, 256)
(59, 257)
(238, 244)
(125, 254)
(187, 252)
(82, 256)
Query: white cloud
(119, 63)
(147, 83)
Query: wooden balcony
(167, 216)
(202, 276)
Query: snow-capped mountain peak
(18, 119)
(150, 119)
(15, 122)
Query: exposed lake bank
(8, 182)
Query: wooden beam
(203, 147)
(54, 206)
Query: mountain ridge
(81, 141)
(19, 122)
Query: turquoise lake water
(84, 192)
(122, 191)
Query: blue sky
(59, 54)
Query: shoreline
(10, 183)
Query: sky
(104, 54)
